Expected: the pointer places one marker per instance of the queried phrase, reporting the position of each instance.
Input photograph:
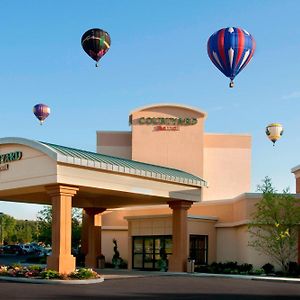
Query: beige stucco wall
(182, 149)
(114, 143)
(227, 165)
(34, 168)
(140, 190)
(223, 160)
(107, 236)
(232, 245)
(151, 225)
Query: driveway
(155, 287)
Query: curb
(51, 281)
(202, 275)
(249, 277)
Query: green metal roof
(108, 163)
(122, 165)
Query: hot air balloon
(230, 49)
(95, 42)
(274, 132)
(41, 111)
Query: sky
(157, 55)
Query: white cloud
(293, 95)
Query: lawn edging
(52, 281)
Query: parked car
(2, 249)
(27, 248)
(13, 249)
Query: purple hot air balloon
(41, 111)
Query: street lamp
(1, 226)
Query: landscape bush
(247, 269)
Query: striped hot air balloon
(230, 49)
(274, 132)
(41, 111)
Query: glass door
(199, 249)
(138, 246)
(149, 250)
(148, 253)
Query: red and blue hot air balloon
(41, 111)
(230, 49)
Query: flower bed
(37, 272)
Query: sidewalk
(110, 274)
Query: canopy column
(93, 226)
(178, 260)
(61, 259)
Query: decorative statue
(116, 260)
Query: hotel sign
(7, 158)
(167, 121)
(167, 124)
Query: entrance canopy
(28, 167)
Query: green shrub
(83, 273)
(232, 265)
(294, 268)
(216, 267)
(258, 272)
(203, 269)
(268, 268)
(124, 264)
(35, 268)
(50, 274)
(245, 268)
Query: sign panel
(8, 158)
(167, 121)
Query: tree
(17, 231)
(8, 227)
(274, 224)
(45, 225)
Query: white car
(27, 248)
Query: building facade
(165, 189)
(173, 136)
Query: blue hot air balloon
(230, 49)
(41, 111)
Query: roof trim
(108, 163)
(295, 169)
(30, 143)
(204, 114)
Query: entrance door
(199, 249)
(148, 250)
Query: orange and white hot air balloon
(274, 132)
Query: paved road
(155, 287)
